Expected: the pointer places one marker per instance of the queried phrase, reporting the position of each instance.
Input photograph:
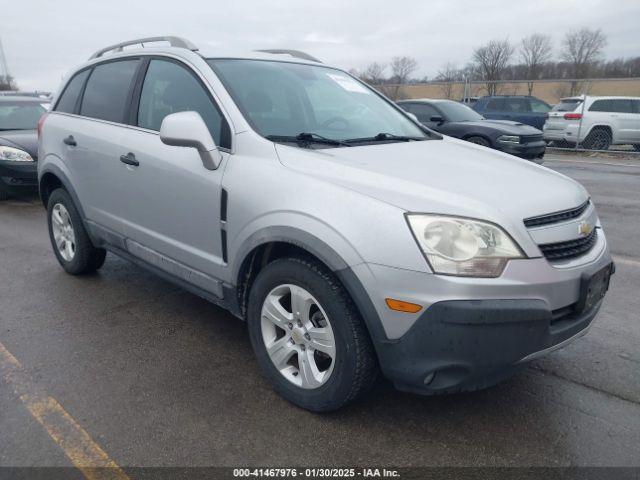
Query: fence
(551, 91)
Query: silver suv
(350, 238)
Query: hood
(26, 140)
(507, 127)
(447, 176)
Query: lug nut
(307, 336)
(302, 347)
(290, 326)
(299, 323)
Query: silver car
(351, 239)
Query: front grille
(530, 138)
(556, 217)
(571, 248)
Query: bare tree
(7, 83)
(401, 70)
(448, 75)
(535, 50)
(374, 73)
(491, 61)
(582, 49)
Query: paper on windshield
(349, 84)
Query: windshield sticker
(349, 84)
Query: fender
(292, 235)
(328, 255)
(54, 169)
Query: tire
(479, 141)
(353, 368)
(598, 139)
(78, 256)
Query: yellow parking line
(75, 442)
(626, 261)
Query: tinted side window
(107, 93)
(170, 88)
(601, 106)
(69, 97)
(517, 105)
(538, 106)
(424, 112)
(496, 104)
(622, 106)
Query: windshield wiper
(383, 137)
(307, 137)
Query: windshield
(281, 99)
(567, 105)
(20, 116)
(457, 112)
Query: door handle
(70, 141)
(129, 159)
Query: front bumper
(473, 332)
(19, 177)
(529, 151)
(465, 345)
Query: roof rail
(173, 41)
(293, 53)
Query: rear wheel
(308, 336)
(479, 141)
(598, 139)
(69, 239)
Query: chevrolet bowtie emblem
(584, 228)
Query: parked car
(349, 237)
(518, 108)
(469, 100)
(599, 123)
(457, 120)
(19, 144)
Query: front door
(173, 202)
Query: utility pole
(5, 77)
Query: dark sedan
(457, 120)
(19, 144)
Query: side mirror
(437, 119)
(187, 129)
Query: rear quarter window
(69, 98)
(567, 106)
(106, 95)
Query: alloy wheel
(298, 336)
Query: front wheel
(69, 239)
(308, 336)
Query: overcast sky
(44, 39)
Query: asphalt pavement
(142, 373)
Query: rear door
(173, 202)
(626, 119)
(93, 155)
(538, 113)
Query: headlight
(462, 246)
(10, 154)
(509, 139)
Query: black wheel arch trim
(66, 183)
(330, 258)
